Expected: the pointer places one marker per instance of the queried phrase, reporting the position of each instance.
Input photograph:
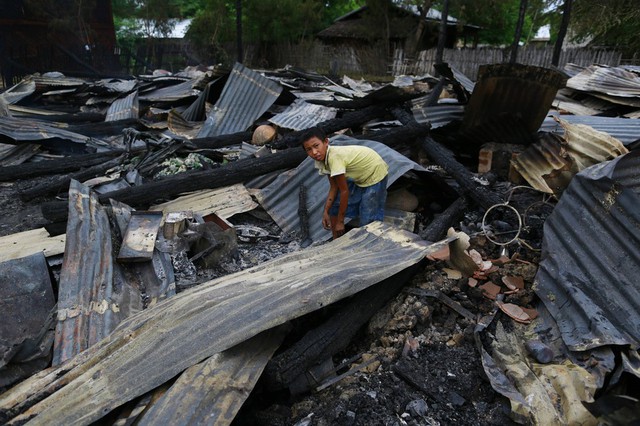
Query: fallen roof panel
(302, 115)
(245, 97)
(588, 276)
(611, 81)
(124, 108)
(142, 353)
(624, 129)
(280, 198)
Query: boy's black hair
(312, 132)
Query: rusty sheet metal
(623, 129)
(546, 165)
(26, 299)
(215, 316)
(588, 275)
(280, 198)
(550, 164)
(21, 130)
(213, 391)
(89, 307)
(139, 239)
(520, 91)
(124, 108)
(614, 81)
(225, 202)
(588, 146)
(245, 97)
(301, 115)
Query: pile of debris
(163, 259)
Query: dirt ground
(427, 368)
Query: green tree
(612, 23)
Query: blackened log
(336, 333)
(51, 167)
(440, 155)
(406, 134)
(483, 196)
(232, 173)
(437, 229)
(61, 184)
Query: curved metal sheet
(588, 276)
(245, 97)
(624, 129)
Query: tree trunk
(516, 37)
(566, 17)
(442, 36)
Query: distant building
(353, 30)
(30, 42)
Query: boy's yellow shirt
(360, 163)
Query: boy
(357, 178)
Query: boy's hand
(326, 221)
(339, 229)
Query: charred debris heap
(179, 257)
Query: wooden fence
(469, 60)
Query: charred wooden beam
(437, 229)
(61, 184)
(440, 155)
(51, 167)
(215, 142)
(236, 172)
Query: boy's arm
(341, 184)
(331, 196)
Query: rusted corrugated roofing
(280, 198)
(523, 92)
(550, 164)
(124, 108)
(588, 276)
(611, 81)
(624, 129)
(302, 115)
(88, 307)
(245, 97)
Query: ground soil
(427, 369)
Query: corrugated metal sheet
(588, 276)
(172, 93)
(541, 159)
(611, 81)
(624, 129)
(301, 115)
(23, 130)
(245, 97)
(521, 91)
(588, 146)
(280, 198)
(438, 115)
(88, 305)
(16, 93)
(159, 343)
(125, 108)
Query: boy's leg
(372, 204)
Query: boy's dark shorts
(367, 203)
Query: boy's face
(316, 148)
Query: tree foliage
(612, 23)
